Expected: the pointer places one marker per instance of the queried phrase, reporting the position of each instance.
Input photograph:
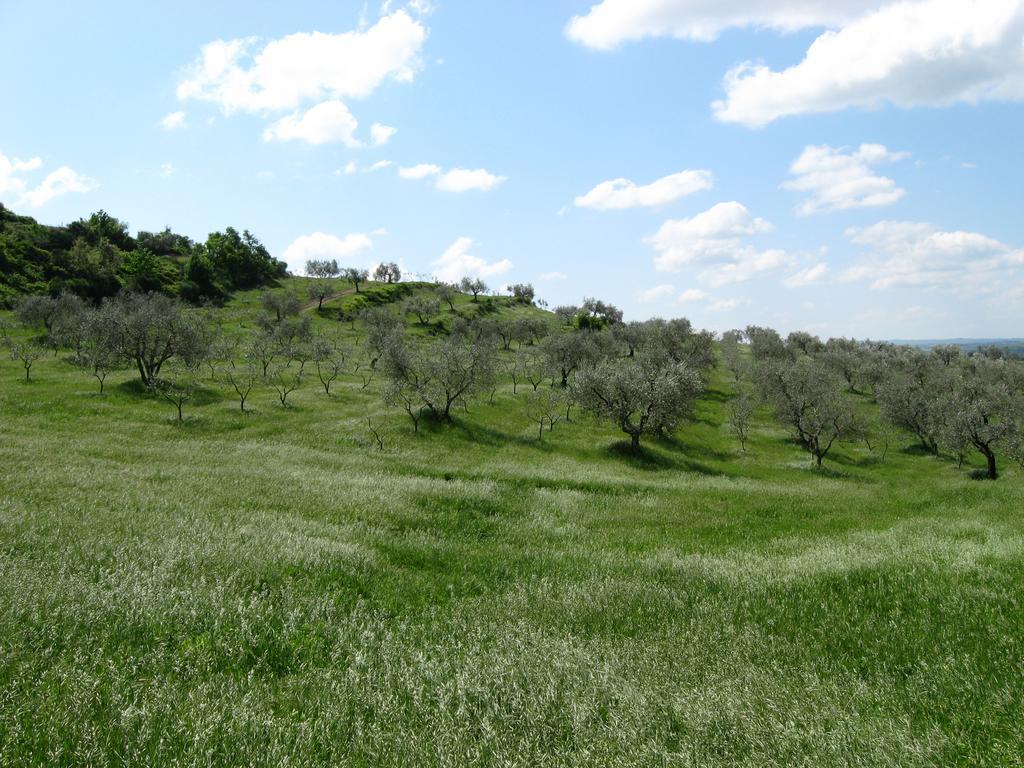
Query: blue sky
(860, 175)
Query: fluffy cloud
(623, 193)
(457, 262)
(172, 121)
(56, 183)
(656, 293)
(381, 134)
(916, 253)
(930, 52)
(611, 22)
(420, 171)
(837, 180)
(808, 276)
(283, 74)
(464, 180)
(455, 180)
(10, 170)
(325, 123)
(714, 240)
(323, 246)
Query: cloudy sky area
(848, 167)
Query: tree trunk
(990, 459)
(634, 441)
(179, 404)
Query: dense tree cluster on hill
(97, 257)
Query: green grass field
(269, 589)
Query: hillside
(319, 580)
(97, 257)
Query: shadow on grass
(978, 474)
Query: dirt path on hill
(313, 304)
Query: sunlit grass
(268, 588)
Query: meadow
(271, 588)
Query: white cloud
(283, 74)
(714, 240)
(10, 170)
(623, 193)
(420, 171)
(549, 276)
(381, 134)
(172, 121)
(56, 183)
(454, 180)
(167, 169)
(808, 276)
(837, 180)
(353, 167)
(457, 262)
(611, 22)
(464, 180)
(325, 123)
(693, 294)
(658, 292)
(323, 246)
(918, 254)
(925, 53)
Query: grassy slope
(245, 587)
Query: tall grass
(269, 589)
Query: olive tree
(322, 269)
(741, 413)
(442, 374)
(422, 308)
(807, 397)
(355, 276)
(766, 344)
(641, 396)
(447, 292)
(280, 304)
(387, 273)
(330, 359)
(909, 396)
(566, 352)
(95, 345)
(178, 382)
(523, 293)
(545, 407)
(320, 290)
(631, 335)
(984, 410)
(26, 353)
(473, 285)
(243, 377)
(150, 329)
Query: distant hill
(1013, 347)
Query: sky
(847, 167)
